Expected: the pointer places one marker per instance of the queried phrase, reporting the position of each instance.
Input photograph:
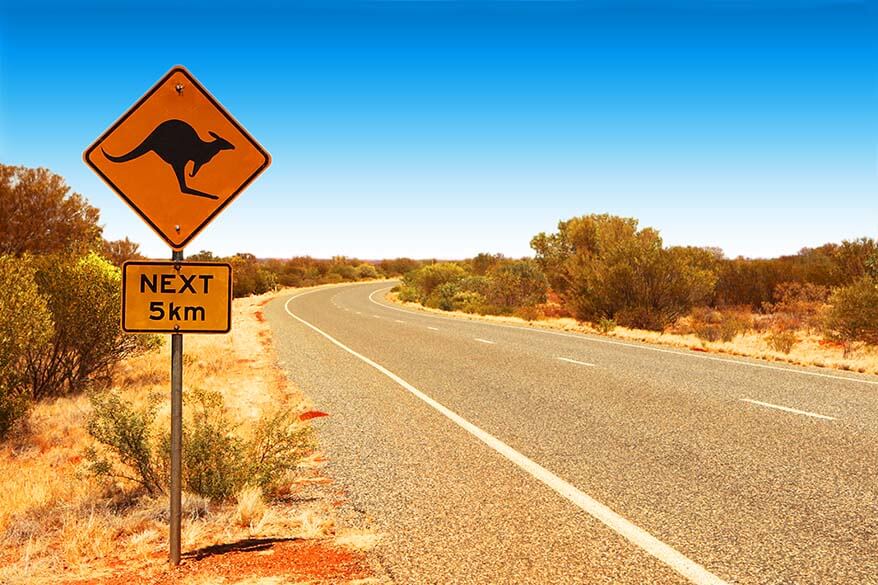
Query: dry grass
(57, 523)
(809, 350)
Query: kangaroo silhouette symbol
(177, 143)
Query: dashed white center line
(480, 340)
(570, 361)
(377, 316)
(359, 313)
(433, 328)
(399, 321)
(788, 409)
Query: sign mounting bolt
(177, 227)
(179, 88)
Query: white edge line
(480, 340)
(633, 533)
(787, 409)
(568, 360)
(585, 337)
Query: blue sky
(442, 128)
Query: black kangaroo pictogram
(177, 143)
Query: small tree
(39, 214)
(83, 296)
(25, 330)
(853, 314)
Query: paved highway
(501, 454)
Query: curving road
(501, 454)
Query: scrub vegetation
(605, 274)
(59, 296)
(84, 419)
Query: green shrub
(782, 340)
(279, 442)
(426, 279)
(25, 331)
(853, 314)
(346, 271)
(126, 436)
(214, 462)
(605, 325)
(469, 302)
(604, 266)
(367, 271)
(517, 283)
(83, 297)
(476, 284)
(218, 460)
(442, 297)
(408, 294)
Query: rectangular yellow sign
(176, 297)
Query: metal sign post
(176, 436)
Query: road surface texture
(501, 454)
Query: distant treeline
(251, 275)
(607, 271)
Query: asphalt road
(499, 454)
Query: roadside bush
(426, 279)
(367, 271)
(528, 313)
(517, 283)
(718, 325)
(853, 315)
(278, 443)
(469, 302)
(25, 330)
(442, 297)
(83, 297)
(782, 340)
(799, 302)
(604, 266)
(346, 271)
(408, 294)
(126, 436)
(218, 459)
(605, 325)
(214, 462)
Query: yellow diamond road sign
(176, 297)
(177, 157)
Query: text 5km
(157, 312)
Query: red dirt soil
(295, 559)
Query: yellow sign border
(165, 237)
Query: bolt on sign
(176, 297)
(177, 157)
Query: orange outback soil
(255, 561)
